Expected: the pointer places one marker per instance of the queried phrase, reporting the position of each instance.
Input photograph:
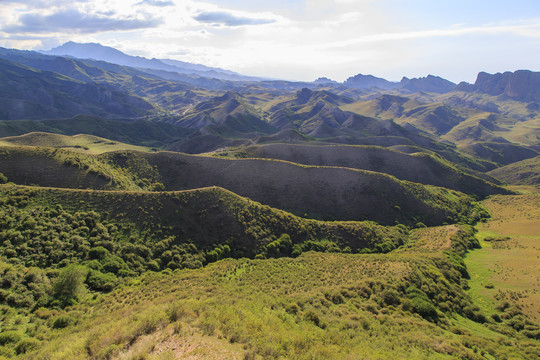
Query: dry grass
(82, 143)
(433, 238)
(511, 263)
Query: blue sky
(298, 39)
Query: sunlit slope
(28, 165)
(83, 143)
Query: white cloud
(298, 39)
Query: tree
(69, 285)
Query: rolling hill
(26, 93)
(83, 143)
(310, 191)
(417, 167)
(320, 220)
(525, 172)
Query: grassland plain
(506, 271)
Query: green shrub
(3, 179)
(391, 297)
(311, 316)
(99, 281)
(27, 344)
(114, 264)
(63, 321)
(98, 253)
(6, 352)
(424, 308)
(10, 337)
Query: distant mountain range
(430, 113)
(95, 51)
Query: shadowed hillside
(317, 192)
(208, 217)
(417, 167)
(137, 132)
(26, 93)
(525, 172)
(500, 153)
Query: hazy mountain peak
(105, 53)
(430, 83)
(362, 81)
(325, 80)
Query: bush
(63, 321)
(114, 264)
(98, 253)
(26, 345)
(6, 352)
(10, 337)
(101, 282)
(424, 308)
(391, 297)
(311, 316)
(3, 179)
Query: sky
(295, 39)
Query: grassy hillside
(87, 144)
(317, 306)
(28, 165)
(526, 172)
(137, 132)
(328, 193)
(310, 191)
(200, 221)
(500, 153)
(417, 167)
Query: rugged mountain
(430, 83)
(109, 54)
(317, 114)
(324, 80)
(27, 93)
(227, 115)
(361, 81)
(521, 85)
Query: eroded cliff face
(522, 85)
